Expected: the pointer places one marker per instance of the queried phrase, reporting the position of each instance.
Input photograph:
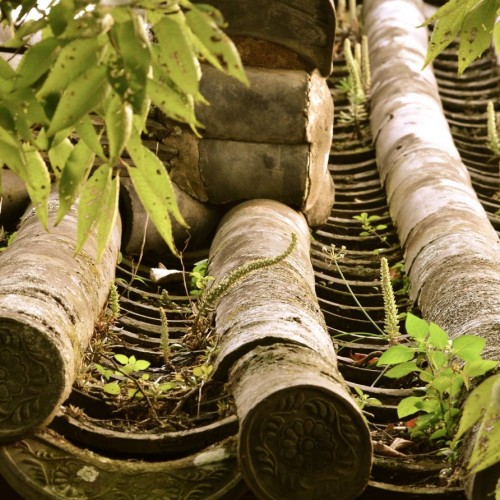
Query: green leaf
(451, 7)
(12, 153)
(442, 383)
(122, 359)
(73, 59)
(468, 347)
(142, 364)
(176, 56)
(496, 40)
(215, 46)
(416, 327)
(107, 218)
(444, 32)
(73, 176)
(475, 405)
(437, 359)
(91, 203)
(402, 370)
(134, 53)
(81, 96)
(87, 132)
(173, 103)
(439, 434)
(119, 117)
(479, 367)
(58, 156)
(486, 451)
(37, 180)
(409, 406)
(438, 337)
(35, 62)
(112, 388)
(154, 189)
(6, 70)
(476, 33)
(395, 355)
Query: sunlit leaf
(475, 405)
(450, 7)
(121, 358)
(214, 44)
(444, 32)
(73, 59)
(479, 367)
(416, 327)
(172, 102)
(176, 56)
(36, 61)
(409, 406)
(87, 132)
(119, 116)
(154, 189)
(402, 370)
(476, 33)
(74, 175)
(496, 37)
(37, 180)
(80, 97)
(395, 355)
(142, 364)
(107, 218)
(133, 49)
(468, 347)
(486, 451)
(91, 202)
(437, 336)
(112, 388)
(58, 155)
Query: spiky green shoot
(366, 75)
(114, 302)
(391, 323)
(212, 297)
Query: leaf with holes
(37, 178)
(74, 175)
(91, 203)
(73, 59)
(81, 96)
(214, 44)
(119, 117)
(177, 58)
(476, 33)
(154, 189)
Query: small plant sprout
(445, 366)
(199, 278)
(353, 87)
(369, 229)
(493, 138)
(363, 400)
(391, 323)
(333, 257)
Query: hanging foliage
(93, 68)
(474, 22)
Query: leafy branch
(95, 72)
(474, 22)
